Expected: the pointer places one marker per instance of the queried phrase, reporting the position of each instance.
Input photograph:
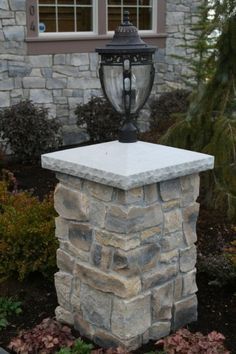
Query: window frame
(84, 42)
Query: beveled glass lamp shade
(127, 72)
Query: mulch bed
(217, 306)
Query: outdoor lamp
(127, 74)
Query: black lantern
(127, 74)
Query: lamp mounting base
(128, 133)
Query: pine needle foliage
(210, 123)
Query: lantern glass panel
(120, 90)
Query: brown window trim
(84, 44)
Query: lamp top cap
(126, 39)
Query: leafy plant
(47, 337)
(8, 307)
(101, 121)
(79, 347)
(185, 342)
(27, 241)
(28, 130)
(210, 123)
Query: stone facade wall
(126, 259)
(61, 81)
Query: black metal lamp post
(127, 74)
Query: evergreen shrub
(27, 241)
(100, 119)
(28, 130)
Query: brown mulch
(217, 306)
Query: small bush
(79, 347)
(47, 337)
(101, 121)
(28, 130)
(8, 307)
(185, 342)
(27, 241)
(164, 108)
(219, 269)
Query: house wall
(61, 81)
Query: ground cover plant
(8, 307)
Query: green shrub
(79, 347)
(27, 241)
(28, 130)
(164, 108)
(100, 119)
(8, 307)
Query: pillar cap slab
(127, 166)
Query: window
(141, 13)
(65, 15)
(72, 26)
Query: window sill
(54, 44)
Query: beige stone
(70, 181)
(151, 234)
(110, 283)
(97, 213)
(131, 196)
(63, 282)
(170, 241)
(151, 193)
(172, 204)
(81, 236)
(84, 328)
(173, 221)
(178, 288)
(169, 257)
(162, 301)
(131, 317)
(64, 316)
(170, 189)
(74, 252)
(99, 191)
(122, 241)
(64, 261)
(71, 204)
(107, 340)
(62, 228)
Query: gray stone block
(162, 301)
(185, 311)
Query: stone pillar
(126, 226)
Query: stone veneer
(126, 259)
(61, 81)
(127, 232)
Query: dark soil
(217, 306)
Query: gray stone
(64, 261)
(62, 228)
(14, 33)
(190, 215)
(21, 18)
(151, 235)
(132, 262)
(133, 219)
(41, 96)
(159, 330)
(185, 311)
(4, 99)
(4, 5)
(151, 193)
(96, 307)
(170, 189)
(97, 213)
(6, 85)
(33, 82)
(70, 203)
(79, 59)
(59, 83)
(83, 83)
(81, 236)
(159, 275)
(101, 257)
(59, 59)
(93, 59)
(189, 283)
(171, 241)
(131, 317)
(70, 181)
(40, 61)
(162, 300)
(131, 196)
(188, 257)
(17, 5)
(18, 69)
